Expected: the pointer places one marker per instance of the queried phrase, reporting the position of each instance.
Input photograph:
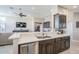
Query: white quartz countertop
(15, 36)
(32, 37)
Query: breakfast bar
(39, 43)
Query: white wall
(69, 19)
(54, 10)
(10, 23)
(75, 30)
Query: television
(20, 24)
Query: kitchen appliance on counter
(59, 31)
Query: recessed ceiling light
(74, 6)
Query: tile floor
(74, 49)
(6, 49)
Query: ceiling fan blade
(23, 15)
(20, 13)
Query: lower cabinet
(57, 45)
(54, 46)
(50, 46)
(67, 42)
(46, 47)
(26, 48)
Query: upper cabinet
(59, 21)
(46, 24)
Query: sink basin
(41, 37)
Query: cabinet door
(46, 47)
(53, 46)
(56, 21)
(62, 48)
(59, 21)
(62, 21)
(57, 47)
(50, 47)
(26, 48)
(42, 46)
(67, 42)
(42, 49)
(23, 49)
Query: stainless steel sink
(41, 37)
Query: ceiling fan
(20, 13)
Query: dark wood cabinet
(46, 47)
(50, 46)
(59, 21)
(46, 24)
(54, 46)
(57, 45)
(67, 42)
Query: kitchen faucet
(44, 35)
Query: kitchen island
(33, 43)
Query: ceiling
(74, 8)
(34, 10)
